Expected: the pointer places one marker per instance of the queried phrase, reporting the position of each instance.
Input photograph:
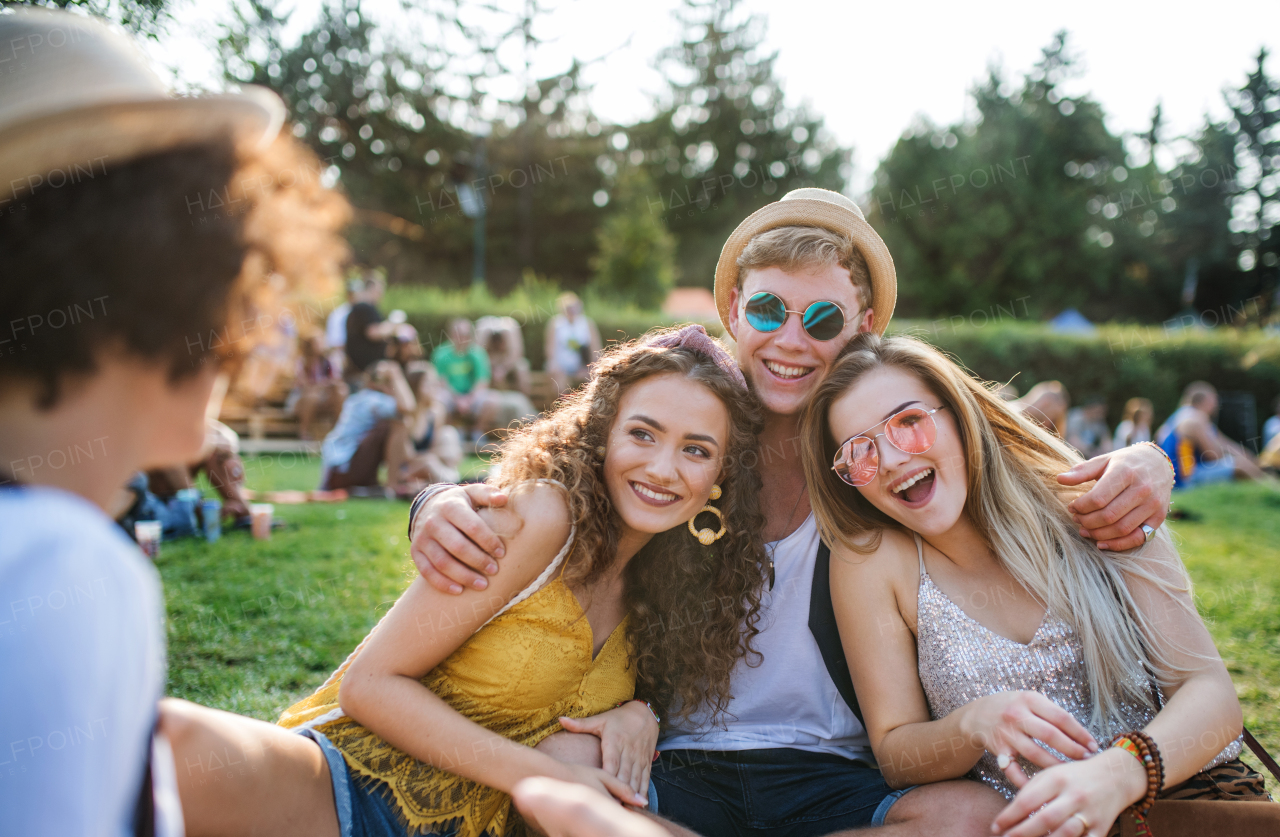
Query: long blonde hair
(1013, 498)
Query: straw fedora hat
(77, 97)
(813, 208)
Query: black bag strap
(822, 624)
(1262, 754)
(1158, 696)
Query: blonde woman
(983, 633)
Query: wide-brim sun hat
(813, 208)
(77, 97)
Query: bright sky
(872, 68)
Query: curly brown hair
(177, 257)
(693, 608)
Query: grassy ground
(253, 626)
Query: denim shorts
(364, 805)
(775, 791)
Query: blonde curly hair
(693, 608)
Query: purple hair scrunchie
(695, 337)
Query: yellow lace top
(528, 666)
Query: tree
(371, 116)
(145, 17)
(1029, 207)
(379, 111)
(1256, 206)
(635, 263)
(725, 143)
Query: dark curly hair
(693, 608)
(172, 257)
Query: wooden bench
(542, 390)
(259, 422)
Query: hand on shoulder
(534, 525)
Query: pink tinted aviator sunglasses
(912, 430)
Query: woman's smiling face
(665, 451)
(925, 492)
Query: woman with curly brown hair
(612, 589)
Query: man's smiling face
(785, 365)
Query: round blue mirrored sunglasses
(766, 312)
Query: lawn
(253, 626)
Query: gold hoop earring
(705, 536)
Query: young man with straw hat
(795, 282)
(115, 282)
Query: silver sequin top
(961, 661)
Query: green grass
(1233, 554)
(254, 626)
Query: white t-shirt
(81, 668)
(789, 700)
(570, 337)
(335, 328)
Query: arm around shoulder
(382, 688)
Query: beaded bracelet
(1172, 471)
(1142, 747)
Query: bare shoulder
(534, 524)
(891, 562)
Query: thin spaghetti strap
(919, 551)
(545, 576)
(534, 587)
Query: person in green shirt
(464, 366)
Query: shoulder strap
(919, 551)
(543, 577)
(822, 624)
(1262, 754)
(528, 591)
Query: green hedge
(1116, 362)
(532, 304)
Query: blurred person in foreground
(572, 343)
(371, 431)
(85, 405)
(1087, 429)
(796, 281)
(1201, 453)
(1135, 426)
(439, 713)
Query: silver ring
(1148, 533)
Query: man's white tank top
(788, 700)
